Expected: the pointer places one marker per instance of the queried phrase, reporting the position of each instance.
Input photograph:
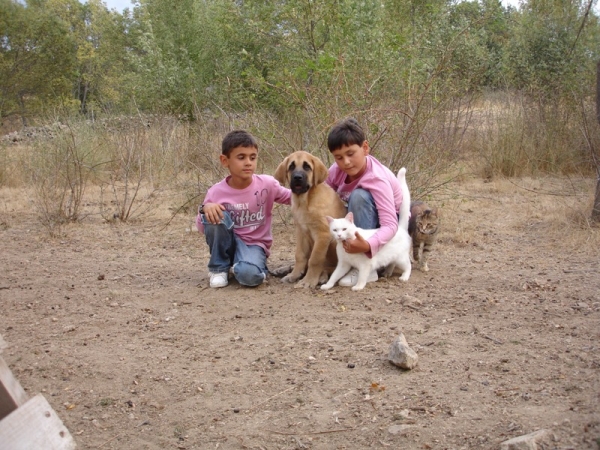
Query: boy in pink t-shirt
(371, 191)
(237, 212)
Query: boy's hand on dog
(213, 212)
(358, 245)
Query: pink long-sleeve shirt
(386, 191)
(251, 208)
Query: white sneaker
(351, 278)
(219, 280)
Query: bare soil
(115, 325)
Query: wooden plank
(12, 395)
(34, 425)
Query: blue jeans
(227, 249)
(362, 206)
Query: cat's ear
(350, 217)
(329, 219)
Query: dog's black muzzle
(299, 182)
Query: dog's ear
(282, 172)
(320, 170)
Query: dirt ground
(115, 325)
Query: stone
(399, 429)
(401, 354)
(525, 442)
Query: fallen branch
(271, 398)
(495, 341)
(111, 439)
(311, 432)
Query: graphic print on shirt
(261, 198)
(244, 216)
(344, 194)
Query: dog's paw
(324, 277)
(304, 284)
(289, 279)
(282, 271)
(357, 288)
(326, 286)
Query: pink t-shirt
(385, 189)
(251, 208)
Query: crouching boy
(236, 215)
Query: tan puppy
(312, 200)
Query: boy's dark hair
(237, 138)
(345, 133)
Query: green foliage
(36, 58)
(551, 54)
(410, 71)
(185, 55)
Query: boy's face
(352, 159)
(241, 163)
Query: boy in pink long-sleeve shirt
(236, 215)
(371, 191)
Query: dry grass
(553, 211)
(125, 167)
(514, 137)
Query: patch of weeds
(106, 401)
(179, 432)
(572, 387)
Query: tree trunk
(22, 106)
(596, 210)
(83, 92)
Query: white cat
(394, 253)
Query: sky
(119, 5)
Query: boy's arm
(213, 212)
(383, 195)
(358, 245)
(284, 196)
(331, 177)
(281, 195)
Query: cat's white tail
(405, 206)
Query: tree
(36, 58)
(550, 54)
(596, 209)
(100, 53)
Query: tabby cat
(422, 227)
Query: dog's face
(301, 171)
